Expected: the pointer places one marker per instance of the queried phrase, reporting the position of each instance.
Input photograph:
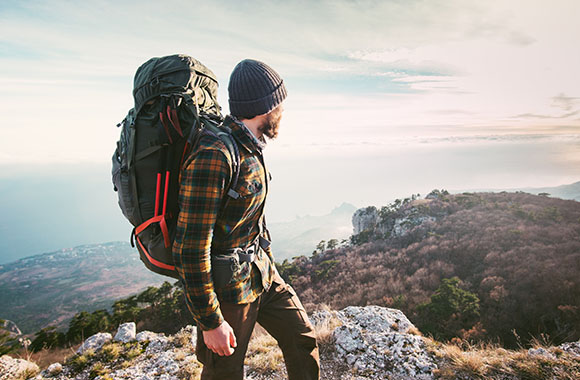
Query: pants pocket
(223, 269)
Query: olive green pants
(279, 312)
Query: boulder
(377, 341)
(95, 342)
(11, 368)
(126, 333)
(54, 369)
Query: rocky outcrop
(126, 333)
(394, 220)
(147, 356)
(94, 342)
(357, 343)
(374, 342)
(11, 368)
(380, 342)
(365, 219)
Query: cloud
(398, 66)
(549, 117)
(567, 103)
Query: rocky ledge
(357, 343)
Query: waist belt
(248, 254)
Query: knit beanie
(254, 89)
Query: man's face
(272, 123)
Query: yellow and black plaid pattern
(200, 230)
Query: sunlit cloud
(420, 68)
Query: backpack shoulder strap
(208, 125)
(224, 134)
(230, 143)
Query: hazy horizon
(63, 206)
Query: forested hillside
(490, 266)
(49, 289)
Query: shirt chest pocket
(251, 180)
(249, 188)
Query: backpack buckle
(246, 256)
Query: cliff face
(393, 220)
(355, 343)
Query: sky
(386, 98)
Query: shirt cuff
(210, 322)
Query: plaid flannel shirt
(200, 230)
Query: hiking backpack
(175, 104)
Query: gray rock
(541, 352)
(95, 342)
(11, 368)
(348, 339)
(376, 342)
(126, 332)
(159, 344)
(54, 369)
(572, 348)
(365, 219)
(146, 336)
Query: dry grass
(183, 338)
(98, 369)
(190, 369)
(490, 361)
(46, 357)
(27, 374)
(180, 355)
(414, 331)
(80, 362)
(324, 330)
(110, 352)
(264, 356)
(134, 352)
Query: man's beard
(271, 125)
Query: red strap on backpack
(152, 260)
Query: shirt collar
(244, 134)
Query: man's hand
(221, 340)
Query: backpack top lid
(176, 74)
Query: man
(221, 249)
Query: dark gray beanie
(254, 89)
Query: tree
(85, 324)
(332, 244)
(450, 310)
(48, 337)
(321, 246)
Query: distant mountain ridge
(569, 191)
(300, 236)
